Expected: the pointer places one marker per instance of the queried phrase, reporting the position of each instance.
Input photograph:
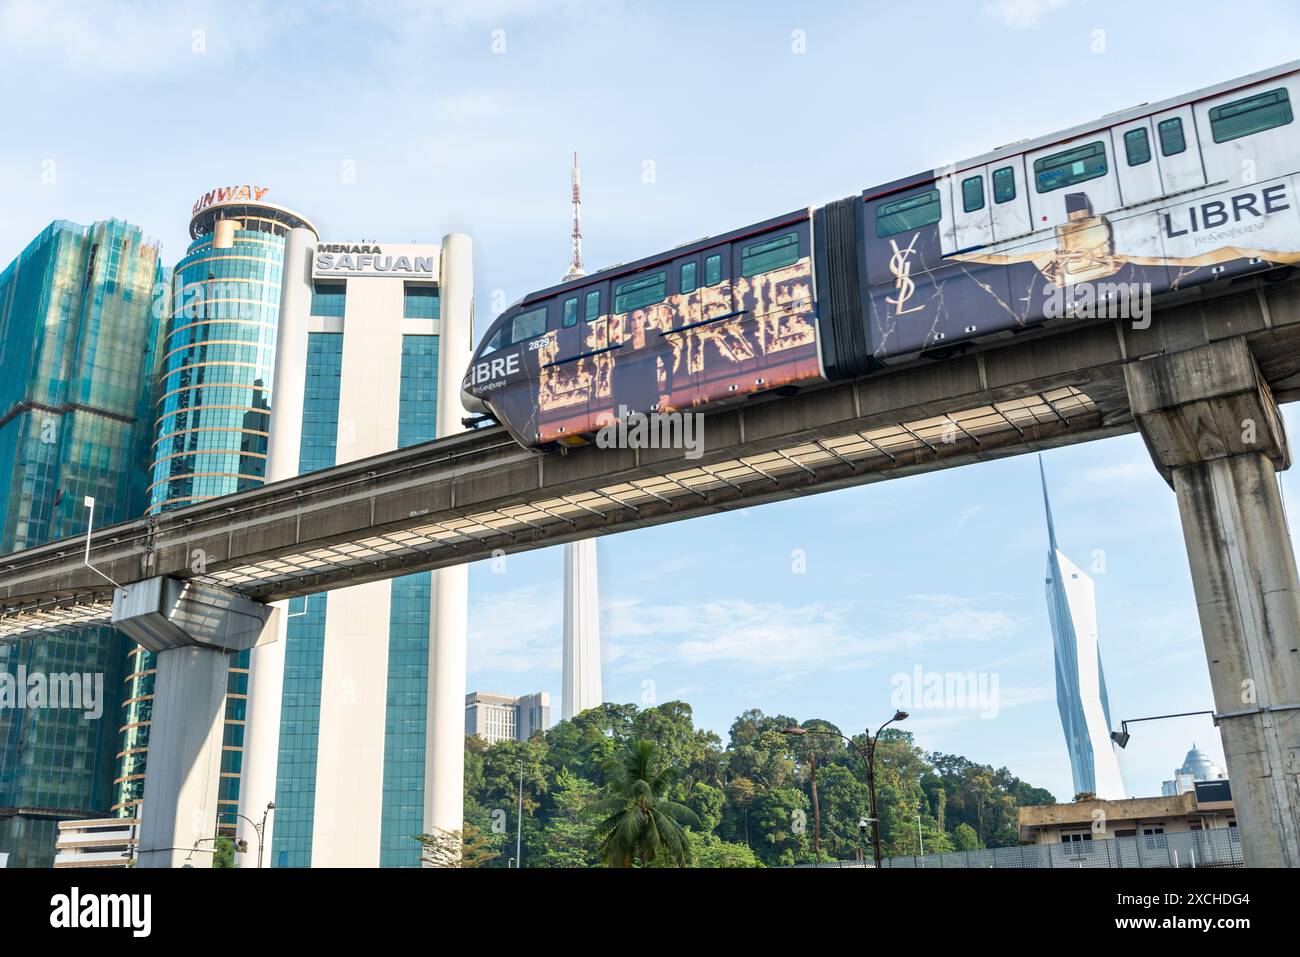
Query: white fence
(1216, 847)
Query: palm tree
(638, 823)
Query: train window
(1069, 167)
(713, 270)
(639, 293)
(911, 213)
(1254, 114)
(687, 280)
(569, 317)
(592, 307)
(1004, 185)
(1172, 141)
(769, 254)
(496, 342)
(1137, 146)
(972, 193)
(526, 325)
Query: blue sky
(403, 121)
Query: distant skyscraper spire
(1080, 681)
(575, 267)
(581, 683)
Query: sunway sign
(229, 194)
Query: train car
(1087, 223)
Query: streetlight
(1121, 737)
(189, 858)
(258, 829)
(868, 756)
(519, 821)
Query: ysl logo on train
(900, 265)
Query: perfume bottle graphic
(1085, 248)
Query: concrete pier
(192, 629)
(1213, 430)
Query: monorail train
(1197, 189)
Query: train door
(1010, 209)
(677, 383)
(706, 362)
(563, 392)
(1177, 150)
(1073, 182)
(639, 313)
(971, 212)
(903, 248)
(595, 367)
(975, 293)
(1135, 150)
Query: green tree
(966, 839)
(223, 852)
(467, 848)
(709, 850)
(567, 838)
(638, 823)
(781, 825)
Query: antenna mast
(575, 267)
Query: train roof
(1093, 126)
(917, 179)
(667, 255)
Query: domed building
(1197, 766)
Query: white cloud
(520, 631)
(790, 639)
(968, 514)
(128, 38)
(516, 631)
(1022, 14)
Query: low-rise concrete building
(1207, 807)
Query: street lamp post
(869, 758)
(519, 823)
(259, 829)
(1121, 736)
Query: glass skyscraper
(211, 419)
(1080, 681)
(78, 329)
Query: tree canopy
(675, 795)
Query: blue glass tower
(211, 420)
(78, 329)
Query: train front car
(708, 323)
(1089, 223)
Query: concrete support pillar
(1214, 431)
(581, 686)
(192, 629)
(266, 663)
(444, 764)
(179, 813)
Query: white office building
(355, 729)
(498, 717)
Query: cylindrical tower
(212, 415)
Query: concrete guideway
(459, 499)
